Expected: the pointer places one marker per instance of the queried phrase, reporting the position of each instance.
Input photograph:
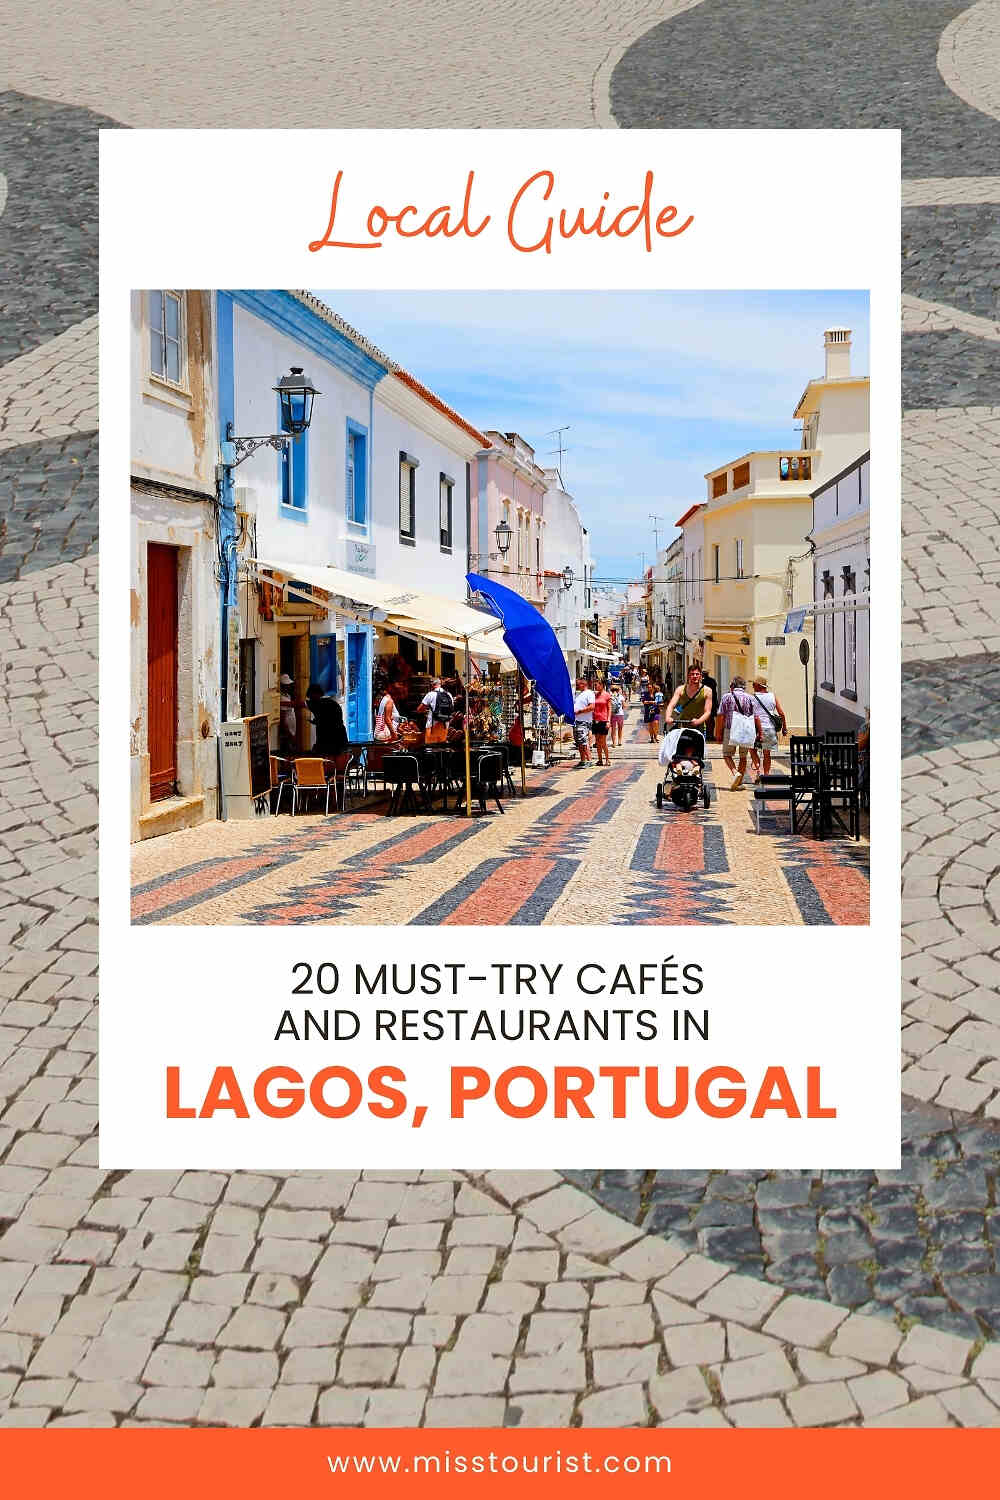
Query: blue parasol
(531, 640)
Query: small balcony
(759, 473)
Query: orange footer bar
(159, 1464)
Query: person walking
(287, 723)
(583, 715)
(741, 728)
(602, 724)
(692, 702)
(772, 720)
(655, 715)
(617, 714)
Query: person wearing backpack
(440, 706)
(772, 720)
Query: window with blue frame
(357, 474)
(293, 470)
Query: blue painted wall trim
(294, 318)
(227, 505)
(355, 429)
(297, 451)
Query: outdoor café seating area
(396, 779)
(825, 790)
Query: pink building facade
(510, 486)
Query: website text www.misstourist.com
(498, 1463)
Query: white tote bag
(742, 727)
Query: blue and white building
(378, 486)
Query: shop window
(829, 667)
(446, 495)
(166, 337)
(408, 499)
(356, 485)
(850, 688)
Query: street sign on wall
(361, 558)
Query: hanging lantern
(296, 393)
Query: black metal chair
(797, 789)
(402, 773)
(486, 771)
(510, 753)
(840, 737)
(839, 790)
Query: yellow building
(757, 568)
(758, 556)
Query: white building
(840, 534)
(633, 622)
(568, 569)
(666, 646)
(378, 486)
(174, 618)
(834, 411)
(692, 528)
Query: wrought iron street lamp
(296, 394)
(503, 535)
(568, 577)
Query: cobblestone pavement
(281, 77)
(951, 529)
(920, 1243)
(400, 1299)
(585, 847)
(48, 503)
(48, 230)
(715, 65)
(51, 392)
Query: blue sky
(657, 387)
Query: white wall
(441, 447)
(261, 354)
(842, 433)
(567, 544)
(173, 442)
(694, 587)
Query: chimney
(837, 344)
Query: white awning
(598, 655)
(447, 620)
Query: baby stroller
(682, 754)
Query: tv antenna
(657, 523)
(557, 433)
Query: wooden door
(161, 580)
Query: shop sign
(361, 558)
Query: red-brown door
(161, 576)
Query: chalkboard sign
(260, 755)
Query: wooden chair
(309, 777)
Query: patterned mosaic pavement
(583, 847)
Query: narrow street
(584, 847)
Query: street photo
(499, 608)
